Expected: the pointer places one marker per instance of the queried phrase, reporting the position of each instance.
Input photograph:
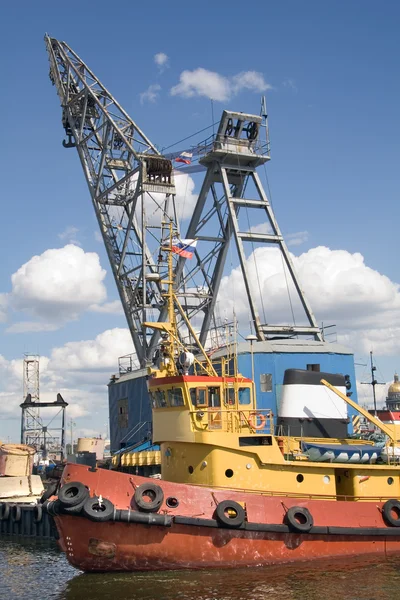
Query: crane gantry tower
(130, 182)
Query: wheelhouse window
(175, 397)
(244, 395)
(192, 393)
(214, 397)
(201, 397)
(230, 396)
(160, 400)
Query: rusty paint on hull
(119, 546)
(140, 547)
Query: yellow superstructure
(212, 434)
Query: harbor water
(35, 570)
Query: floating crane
(130, 182)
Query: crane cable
(283, 262)
(188, 137)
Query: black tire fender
(4, 511)
(37, 513)
(73, 510)
(299, 519)
(152, 491)
(223, 514)
(98, 510)
(390, 507)
(72, 494)
(52, 507)
(49, 491)
(16, 513)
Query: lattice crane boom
(127, 178)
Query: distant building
(391, 413)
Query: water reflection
(357, 581)
(32, 570)
(38, 571)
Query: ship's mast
(172, 343)
(373, 381)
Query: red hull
(118, 546)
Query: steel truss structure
(231, 158)
(130, 182)
(31, 425)
(47, 438)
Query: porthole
(172, 502)
(229, 473)
(390, 480)
(190, 469)
(300, 477)
(326, 479)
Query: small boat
(341, 453)
(232, 493)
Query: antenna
(373, 381)
(264, 115)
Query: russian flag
(184, 248)
(184, 157)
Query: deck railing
(229, 420)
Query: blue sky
(334, 128)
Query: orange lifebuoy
(255, 417)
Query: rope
(188, 137)
(288, 290)
(17, 450)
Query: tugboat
(233, 492)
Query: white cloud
(161, 60)
(97, 236)
(59, 284)
(3, 307)
(69, 235)
(290, 84)
(292, 239)
(209, 84)
(114, 307)
(261, 228)
(341, 285)
(296, 239)
(151, 94)
(79, 371)
(249, 80)
(363, 303)
(93, 355)
(185, 198)
(31, 327)
(201, 82)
